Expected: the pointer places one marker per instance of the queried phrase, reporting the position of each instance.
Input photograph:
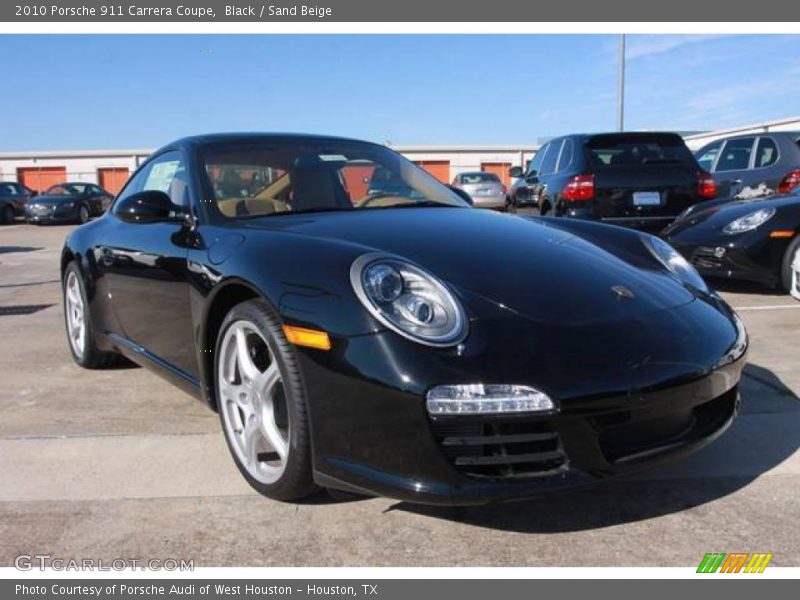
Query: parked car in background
(402, 344)
(485, 189)
(640, 180)
(754, 240)
(752, 165)
(68, 203)
(13, 197)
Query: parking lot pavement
(118, 464)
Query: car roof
(792, 135)
(252, 136)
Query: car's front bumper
(652, 396)
(748, 257)
(51, 217)
(498, 201)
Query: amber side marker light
(781, 234)
(311, 338)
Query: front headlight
(749, 222)
(408, 300)
(674, 262)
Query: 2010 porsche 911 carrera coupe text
(390, 339)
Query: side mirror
(147, 207)
(515, 172)
(461, 194)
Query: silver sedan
(485, 189)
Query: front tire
(78, 323)
(511, 208)
(9, 215)
(83, 214)
(262, 404)
(789, 274)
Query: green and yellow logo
(737, 562)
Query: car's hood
(715, 215)
(517, 264)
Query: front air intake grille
(705, 258)
(488, 449)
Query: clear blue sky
(131, 91)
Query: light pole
(621, 85)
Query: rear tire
(511, 208)
(78, 324)
(262, 403)
(788, 274)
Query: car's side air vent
(489, 449)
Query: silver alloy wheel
(83, 214)
(253, 403)
(794, 288)
(76, 317)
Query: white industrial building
(111, 168)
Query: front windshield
(66, 190)
(259, 179)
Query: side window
(766, 153)
(167, 174)
(708, 156)
(535, 163)
(566, 156)
(6, 189)
(735, 155)
(134, 185)
(550, 159)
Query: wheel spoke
(250, 437)
(265, 381)
(274, 435)
(247, 367)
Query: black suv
(641, 180)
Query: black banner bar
(406, 10)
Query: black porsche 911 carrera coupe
(753, 240)
(397, 341)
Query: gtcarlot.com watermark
(42, 562)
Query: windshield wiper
(417, 204)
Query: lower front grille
(705, 258)
(629, 438)
(492, 449)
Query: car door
(768, 168)
(144, 266)
(544, 189)
(732, 166)
(527, 188)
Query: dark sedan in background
(13, 198)
(754, 240)
(753, 165)
(68, 203)
(640, 180)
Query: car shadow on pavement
(745, 287)
(13, 249)
(766, 433)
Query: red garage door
(112, 178)
(438, 168)
(356, 180)
(41, 178)
(499, 169)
